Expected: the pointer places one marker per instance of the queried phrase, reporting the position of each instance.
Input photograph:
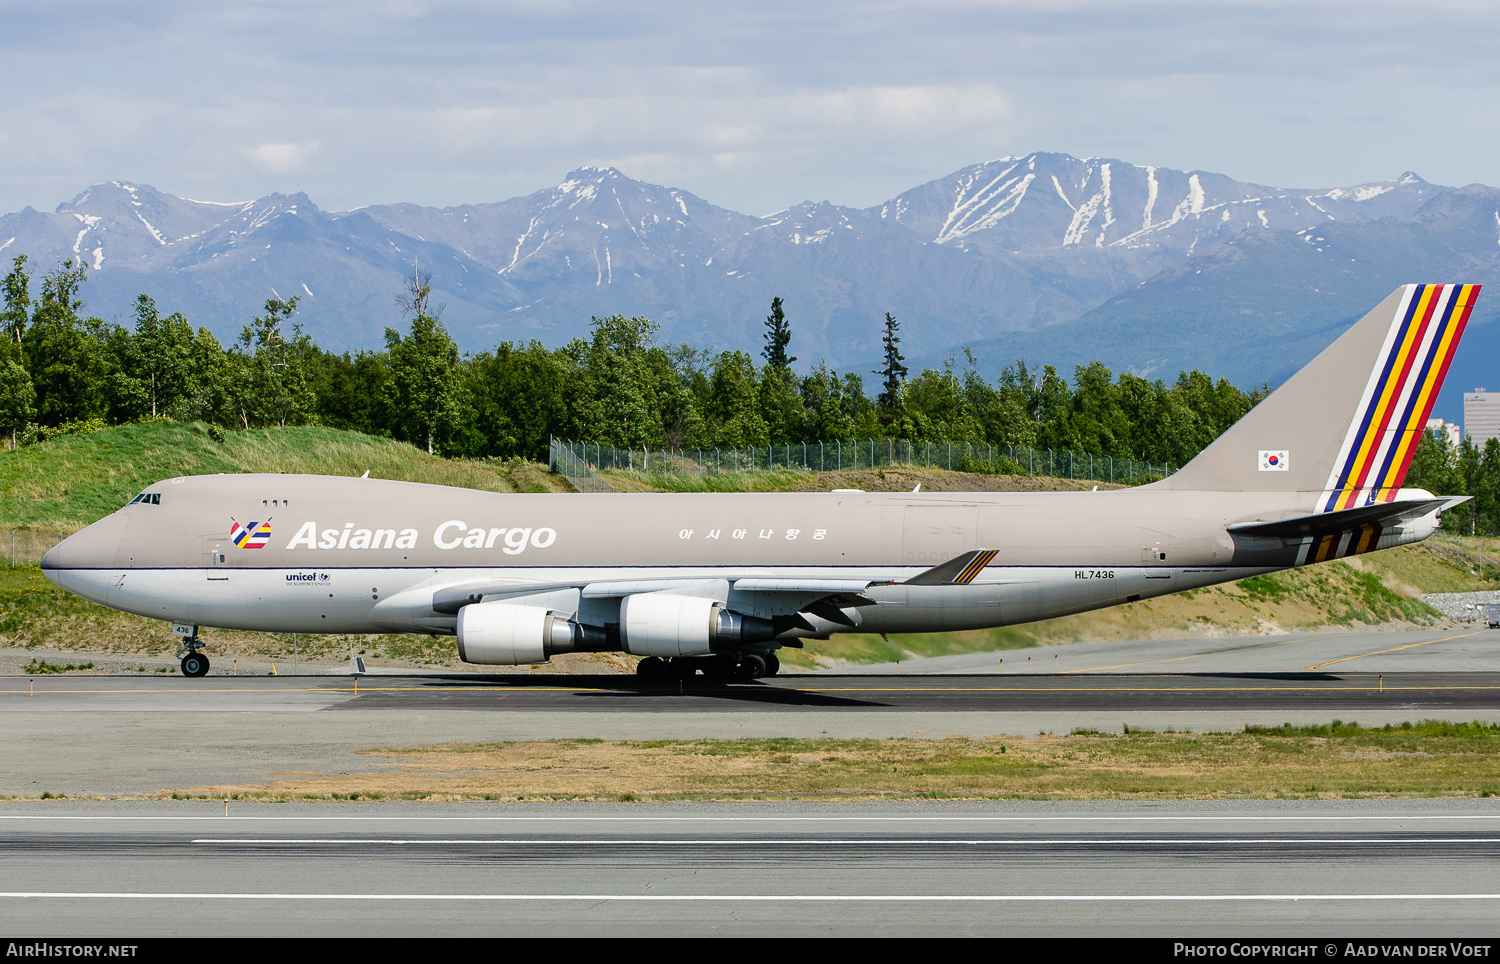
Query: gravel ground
(1462, 605)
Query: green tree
(1434, 466)
(933, 409)
(778, 336)
(837, 407)
(270, 384)
(734, 410)
(520, 395)
(17, 290)
(424, 380)
(622, 381)
(892, 373)
(64, 352)
(159, 356)
(17, 394)
(354, 391)
(211, 394)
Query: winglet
(958, 571)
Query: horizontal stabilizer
(1328, 523)
(958, 571)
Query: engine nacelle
(506, 634)
(666, 624)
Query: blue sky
(751, 106)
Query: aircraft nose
(94, 547)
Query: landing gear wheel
(195, 664)
(773, 665)
(651, 668)
(752, 666)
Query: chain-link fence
(580, 461)
(26, 546)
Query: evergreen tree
(778, 336)
(893, 373)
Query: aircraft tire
(195, 665)
(773, 665)
(752, 666)
(652, 668)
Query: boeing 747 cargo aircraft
(718, 582)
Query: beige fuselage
(341, 555)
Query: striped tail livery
(1398, 398)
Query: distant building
(1453, 432)
(1482, 415)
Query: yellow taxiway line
(1397, 649)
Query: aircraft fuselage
(314, 554)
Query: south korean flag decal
(1273, 461)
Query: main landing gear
(194, 660)
(722, 666)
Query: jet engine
(666, 624)
(507, 634)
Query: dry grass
(1342, 760)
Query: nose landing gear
(194, 661)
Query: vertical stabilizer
(1348, 423)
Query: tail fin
(1348, 423)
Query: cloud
(283, 158)
(752, 106)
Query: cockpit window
(147, 498)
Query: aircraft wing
(958, 571)
(454, 598)
(1327, 523)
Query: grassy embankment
(1341, 760)
(69, 482)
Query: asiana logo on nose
(252, 536)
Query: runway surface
(1331, 691)
(1362, 868)
(136, 735)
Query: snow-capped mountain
(1007, 246)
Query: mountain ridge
(1036, 253)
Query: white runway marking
(837, 841)
(749, 818)
(782, 898)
